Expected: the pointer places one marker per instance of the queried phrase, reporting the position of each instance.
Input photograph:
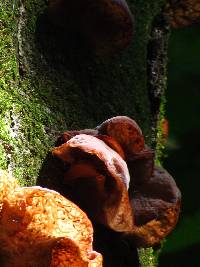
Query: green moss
(3, 157)
(21, 116)
(147, 257)
(161, 138)
(115, 90)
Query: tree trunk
(48, 87)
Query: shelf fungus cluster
(41, 228)
(111, 175)
(106, 26)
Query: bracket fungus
(98, 181)
(40, 228)
(7, 185)
(125, 131)
(141, 166)
(105, 25)
(156, 204)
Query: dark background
(182, 247)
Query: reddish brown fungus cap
(141, 167)
(126, 132)
(156, 206)
(98, 179)
(66, 136)
(41, 228)
(111, 142)
(106, 25)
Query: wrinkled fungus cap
(101, 178)
(126, 132)
(94, 181)
(7, 185)
(111, 142)
(156, 205)
(66, 136)
(41, 228)
(141, 167)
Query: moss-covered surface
(148, 258)
(43, 93)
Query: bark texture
(47, 85)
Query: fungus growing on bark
(41, 228)
(139, 157)
(98, 180)
(183, 13)
(111, 142)
(106, 25)
(126, 132)
(153, 194)
(7, 185)
(66, 136)
(141, 166)
(156, 204)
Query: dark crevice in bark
(20, 28)
(156, 68)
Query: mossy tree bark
(46, 88)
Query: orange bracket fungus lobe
(153, 194)
(7, 185)
(106, 25)
(41, 228)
